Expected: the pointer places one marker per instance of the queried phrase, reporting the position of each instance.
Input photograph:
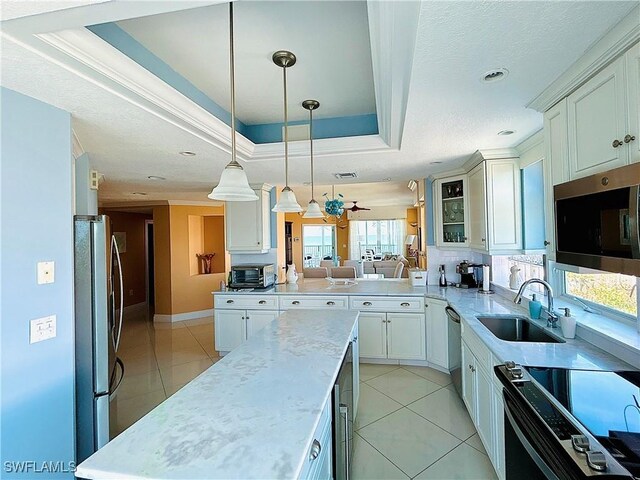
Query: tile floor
(411, 423)
(159, 359)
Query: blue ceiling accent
(348, 126)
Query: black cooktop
(606, 403)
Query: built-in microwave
(597, 221)
(252, 276)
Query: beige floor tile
(140, 364)
(134, 385)
(202, 330)
(445, 409)
(160, 326)
(475, 442)
(130, 410)
(129, 353)
(199, 321)
(373, 405)
(130, 340)
(372, 370)
(464, 463)
(436, 376)
(409, 441)
(181, 374)
(180, 354)
(171, 389)
(403, 386)
(369, 464)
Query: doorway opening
(318, 243)
(149, 266)
(288, 242)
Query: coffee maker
(468, 275)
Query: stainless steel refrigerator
(98, 325)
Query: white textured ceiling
(450, 113)
(330, 40)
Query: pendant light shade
(313, 209)
(233, 185)
(287, 202)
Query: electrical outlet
(46, 272)
(42, 329)
(131, 293)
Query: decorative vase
(514, 279)
(292, 274)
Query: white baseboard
(179, 317)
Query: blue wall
(37, 380)
(533, 206)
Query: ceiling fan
(356, 208)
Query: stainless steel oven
(252, 276)
(597, 221)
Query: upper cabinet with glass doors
(452, 223)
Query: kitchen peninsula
(251, 415)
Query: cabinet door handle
(295, 302)
(230, 301)
(546, 243)
(330, 302)
(243, 318)
(388, 321)
(367, 304)
(483, 240)
(629, 138)
(405, 304)
(262, 302)
(616, 143)
(315, 450)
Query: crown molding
(530, 142)
(161, 203)
(615, 42)
(76, 147)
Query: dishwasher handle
(452, 314)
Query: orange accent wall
(133, 260)
(297, 221)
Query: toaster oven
(252, 275)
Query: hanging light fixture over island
(313, 210)
(233, 185)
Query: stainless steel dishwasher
(455, 348)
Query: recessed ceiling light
(506, 132)
(138, 193)
(155, 177)
(187, 153)
(495, 75)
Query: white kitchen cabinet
(498, 434)
(632, 58)
(477, 208)
(484, 407)
(248, 224)
(398, 336)
(318, 460)
(469, 380)
(405, 336)
(451, 212)
(232, 327)
(356, 370)
(437, 333)
(291, 302)
(597, 118)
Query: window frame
(601, 309)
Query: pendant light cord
(286, 130)
(233, 86)
(311, 149)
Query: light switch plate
(46, 272)
(42, 329)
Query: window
(377, 237)
(317, 243)
(530, 266)
(611, 290)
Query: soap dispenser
(535, 307)
(568, 324)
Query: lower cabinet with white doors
(482, 395)
(437, 331)
(232, 327)
(318, 464)
(396, 336)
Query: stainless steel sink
(516, 329)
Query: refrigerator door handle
(114, 245)
(113, 385)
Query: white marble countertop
(251, 415)
(574, 353)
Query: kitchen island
(251, 415)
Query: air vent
(344, 175)
(297, 132)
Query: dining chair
(357, 264)
(397, 273)
(343, 272)
(326, 263)
(316, 272)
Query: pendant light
(233, 185)
(313, 210)
(287, 201)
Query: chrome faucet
(552, 318)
